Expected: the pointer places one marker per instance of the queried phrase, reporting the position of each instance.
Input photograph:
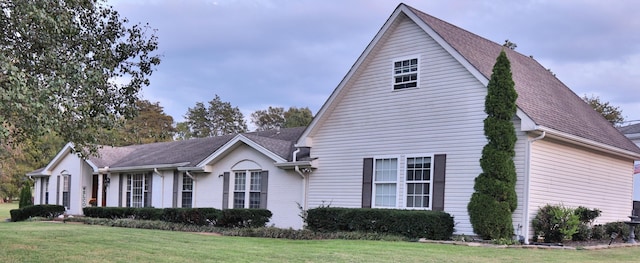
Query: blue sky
(256, 54)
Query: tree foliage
(612, 113)
(274, 117)
(219, 118)
(151, 124)
(70, 67)
(494, 199)
(17, 160)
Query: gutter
(527, 186)
(148, 167)
(563, 136)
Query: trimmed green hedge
(48, 211)
(409, 223)
(191, 216)
(238, 218)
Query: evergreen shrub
(408, 223)
(47, 211)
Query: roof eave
(165, 166)
(292, 165)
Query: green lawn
(5, 208)
(57, 242)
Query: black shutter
(225, 190)
(120, 182)
(69, 193)
(58, 191)
(439, 171)
(148, 197)
(42, 190)
(264, 184)
(176, 177)
(367, 177)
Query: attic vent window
(405, 74)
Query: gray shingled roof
(544, 98)
(192, 151)
(630, 129)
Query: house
(633, 133)
(403, 129)
(250, 170)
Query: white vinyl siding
(445, 115)
(573, 176)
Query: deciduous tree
(276, 117)
(151, 124)
(612, 113)
(219, 118)
(494, 199)
(71, 67)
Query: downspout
(527, 186)
(195, 186)
(304, 178)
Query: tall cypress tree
(494, 199)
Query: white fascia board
(563, 136)
(205, 169)
(238, 139)
(164, 166)
(39, 174)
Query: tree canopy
(218, 118)
(612, 113)
(495, 199)
(276, 117)
(71, 67)
(151, 124)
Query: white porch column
(100, 180)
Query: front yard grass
(4, 210)
(58, 242)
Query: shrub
(47, 211)
(409, 223)
(556, 223)
(586, 215)
(244, 218)
(109, 212)
(598, 232)
(25, 196)
(193, 216)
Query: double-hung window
(405, 73)
(402, 182)
(246, 190)
(418, 181)
(138, 192)
(187, 191)
(45, 190)
(385, 182)
(66, 201)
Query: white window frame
(401, 181)
(145, 190)
(394, 74)
(374, 181)
(430, 181)
(183, 190)
(45, 184)
(248, 190)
